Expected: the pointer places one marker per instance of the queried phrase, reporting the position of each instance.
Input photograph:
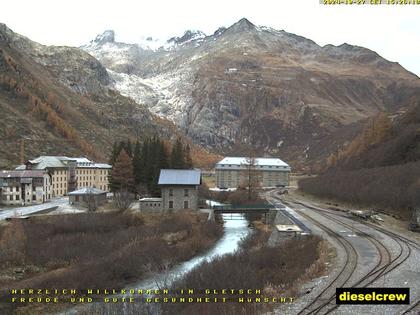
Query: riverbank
(254, 279)
(96, 250)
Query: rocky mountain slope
(58, 100)
(255, 85)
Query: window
(171, 192)
(185, 192)
(171, 204)
(186, 204)
(17, 197)
(34, 197)
(17, 189)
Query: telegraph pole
(22, 151)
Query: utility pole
(22, 151)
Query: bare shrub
(12, 244)
(123, 199)
(254, 268)
(101, 250)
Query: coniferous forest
(136, 167)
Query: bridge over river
(265, 209)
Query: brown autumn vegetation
(238, 196)
(103, 250)
(45, 111)
(394, 188)
(376, 131)
(380, 168)
(203, 158)
(274, 270)
(48, 109)
(58, 119)
(277, 271)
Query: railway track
(383, 267)
(323, 303)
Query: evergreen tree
(114, 153)
(177, 155)
(162, 156)
(137, 163)
(187, 155)
(144, 161)
(128, 148)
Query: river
(234, 231)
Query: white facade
(270, 172)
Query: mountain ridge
(242, 86)
(258, 86)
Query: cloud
(392, 31)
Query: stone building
(179, 188)
(150, 204)
(24, 187)
(88, 197)
(69, 174)
(271, 172)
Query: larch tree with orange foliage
(122, 174)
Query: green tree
(177, 155)
(114, 153)
(188, 160)
(128, 147)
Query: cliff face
(255, 85)
(58, 100)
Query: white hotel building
(272, 172)
(70, 173)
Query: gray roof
(21, 174)
(87, 191)
(45, 161)
(180, 177)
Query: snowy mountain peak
(188, 36)
(106, 37)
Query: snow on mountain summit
(150, 43)
(106, 37)
(188, 36)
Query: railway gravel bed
(384, 259)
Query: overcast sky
(392, 31)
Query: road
(24, 211)
(367, 255)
